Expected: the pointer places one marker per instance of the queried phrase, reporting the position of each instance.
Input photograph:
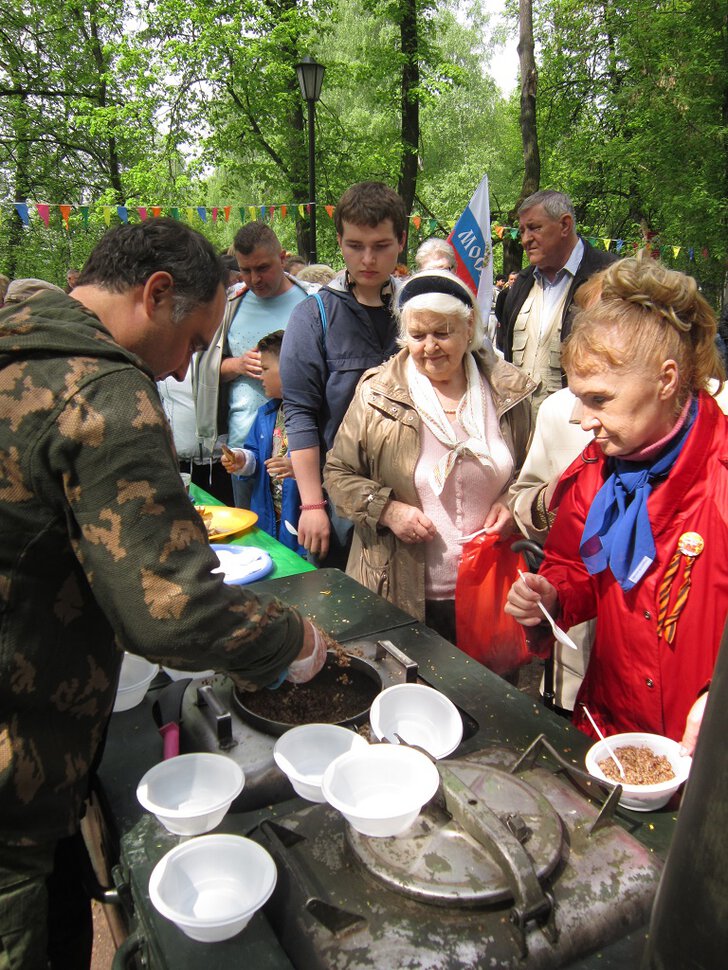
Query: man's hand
(311, 658)
(232, 459)
(524, 595)
(692, 725)
(407, 522)
(314, 530)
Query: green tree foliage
(633, 120)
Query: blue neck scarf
(617, 532)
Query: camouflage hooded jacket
(100, 550)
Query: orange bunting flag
(107, 215)
(226, 211)
(499, 230)
(329, 211)
(142, 210)
(156, 211)
(44, 211)
(607, 243)
(65, 213)
(417, 221)
(284, 210)
(300, 211)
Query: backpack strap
(324, 321)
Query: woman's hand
(692, 725)
(499, 520)
(407, 522)
(314, 531)
(280, 467)
(524, 595)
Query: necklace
(454, 411)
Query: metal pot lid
(438, 861)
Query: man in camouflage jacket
(101, 549)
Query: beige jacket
(374, 457)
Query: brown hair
(254, 234)
(368, 204)
(647, 314)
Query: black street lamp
(310, 78)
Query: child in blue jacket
(264, 457)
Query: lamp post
(310, 78)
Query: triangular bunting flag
(272, 210)
(241, 212)
(704, 252)
(676, 251)
(691, 253)
(499, 230)
(308, 208)
(189, 213)
(226, 210)
(142, 210)
(174, 212)
(156, 211)
(107, 215)
(122, 213)
(65, 213)
(329, 211)
(262, 212)
(620, 245)
(607, 243)
(283, 211)
(417, 220)
(202, 212)
(22, 209)
(83, 209)
(432, 224)
(44, 211)
(214, 213)
(253, 213)
(300, 211)
(514, 233)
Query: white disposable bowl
(420, 715)
(137, 673)
(175, 674)
(305, 752)
(380, 789)
(643, 798)
(191, 793)
(211, 886)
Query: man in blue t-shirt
(232, 360)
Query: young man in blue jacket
(331, 339)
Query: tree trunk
(410, 129)
(512, 249)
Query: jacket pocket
(375, 575)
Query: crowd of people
(366, 409)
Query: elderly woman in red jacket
(640, 540)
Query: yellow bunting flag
(607, 243)
(189, 212)
(107, 215)
(253, 212)
(301, 212)
(676, 251)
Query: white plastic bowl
(137, 673)
(420, 715)
(211, 886)
(380, 789)
(191, 793)
(305, 752)
(643, 798)
(175, 674)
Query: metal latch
(411, 667)
(219, 718)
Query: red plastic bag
(485, 632)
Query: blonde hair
(647, 314)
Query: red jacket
(636, 681)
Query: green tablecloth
(286, 562)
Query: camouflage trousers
(45, 913)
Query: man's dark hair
(128, 255)
(271, 344)
(368, 204)
(254, 234)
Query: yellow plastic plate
(226, 521)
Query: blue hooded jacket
(260, 443)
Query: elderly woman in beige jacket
(427, 450)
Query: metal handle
(220, 718)
(131, 945)
(411, 667)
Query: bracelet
(311, 508)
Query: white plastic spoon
(558, 632)
(291, 528)
(607, 745)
